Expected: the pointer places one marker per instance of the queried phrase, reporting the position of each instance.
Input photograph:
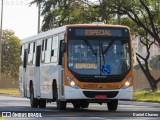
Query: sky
(20, 17)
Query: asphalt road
(126, 110)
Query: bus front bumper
(82, 94)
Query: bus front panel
(98, 63)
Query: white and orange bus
(80, 64)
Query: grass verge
(141, 96)
(10, 91)
(1, 118)
(147, 96)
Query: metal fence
(8, 82)
(140, 81)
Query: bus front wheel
(85, 105)
(76, 105)
(112, 105)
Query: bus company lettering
(90, 86)
(98, 32)
(85, 66)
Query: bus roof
(94, 25)
(44, 34)
(63, 28)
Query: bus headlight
(127, 83)
(72, 83)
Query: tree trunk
(148, 75)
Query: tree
(10, 53)
(144, 14)
(61, 12)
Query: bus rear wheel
(42, 103)
(33, 101)
(61, 105)
(112, 105)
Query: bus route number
(90, 86)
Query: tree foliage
(141, 12)
(10, 53)
(61, 12)
(141, 15)
(145, 15)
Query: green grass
(2, 118)
(147, 96)
(10, 91)
(141, 96)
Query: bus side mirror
(63, 47)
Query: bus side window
(43, 49)
(54, 50)
(28, 51)
(61, 55)
(25, 58)
(38, 55)
(22, 54)
(28, 47)
(46, 44)
(42, 45)
(34, 53)
(30, 55)
(48, 50)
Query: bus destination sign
(98, 32)
(102, 32)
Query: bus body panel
(48, 74)
(37, 82)
(30, 77)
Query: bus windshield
(99, 57)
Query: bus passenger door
(61, 62)
(37, 71)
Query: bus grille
(109, 94)
(99, 80)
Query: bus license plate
(100, 96)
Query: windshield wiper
(90, 46)
(110, 44)
(102, 52)
(105, 51)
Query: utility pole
(1, 37)
(39, 12)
